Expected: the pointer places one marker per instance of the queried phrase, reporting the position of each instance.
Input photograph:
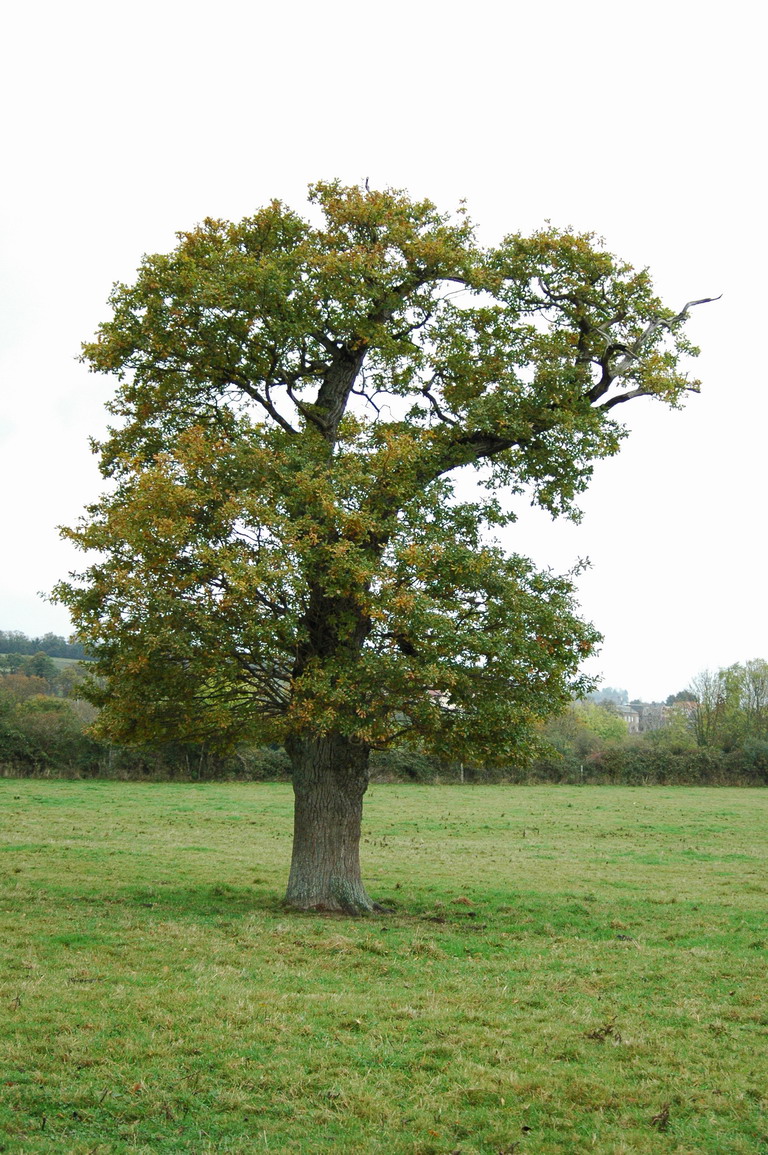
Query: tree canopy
(281, 552)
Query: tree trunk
(330, 777)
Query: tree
(600, 719)
(754, 698)
(731, 705)
(20, 687)
(608, 694)
(281, 554)
(39, 665)
(68, 679)
(681, 696)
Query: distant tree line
(15, 642)
(45, 732)
(715, 732)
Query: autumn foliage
(282, 553)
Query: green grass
(566, 970)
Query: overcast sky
(645, 124)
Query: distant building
(687, 707)
(652, 717)
(630, 716)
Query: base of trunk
(353, 904)
(330, 777)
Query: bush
(648, 764)
(749, 765)
(43, 735)
(403, 765)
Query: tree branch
(621, 397)
(436, 408)
(325, 341)
(265, 403)
(304, 410)
(632, 352)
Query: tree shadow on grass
(200, 903)
(221, 901)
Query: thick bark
(338, 382)
(330, 777)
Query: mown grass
(565, 970)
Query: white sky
(645, 124)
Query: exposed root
(334, 907)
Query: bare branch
(621, 397)
(689, 305)
(632, 352)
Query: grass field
(565, 970)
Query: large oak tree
(280, 555)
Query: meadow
(561, 970)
